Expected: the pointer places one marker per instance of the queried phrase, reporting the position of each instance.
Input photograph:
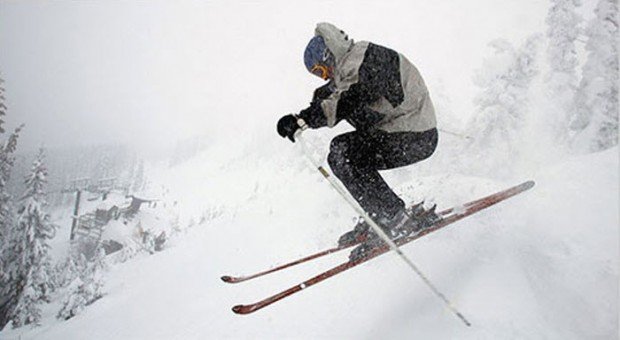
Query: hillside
(541, 265)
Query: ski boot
(404, 224)
(420, 219)
(361, 229)
(425, 220)
(391, 227)
(372, 241)
(358, 234)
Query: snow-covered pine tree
(2, 105)
(30, 240)
(3, 228)
(86, 288)
(501, 106)
(9, 269)
(6, 164)
(6, 221)
(596, 120)
(563, 28)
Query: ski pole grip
(323, 172)
(302, 124)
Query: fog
(147, 73)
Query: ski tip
(227, 279)
(528, 185)
(241, 309)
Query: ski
(453, 215)
(237, 279)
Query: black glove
(287, 126)
(313, 115)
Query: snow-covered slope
(541, 265)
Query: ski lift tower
(77, 186)
(102, 186)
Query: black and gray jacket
(373, 87)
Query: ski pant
(356, 158)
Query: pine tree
(10, 275)
(563, 24)
(68, 270)
(4, 200)
(2, 105)
(30, 241)
(6, 164)
(86, 288)
(503, 103)
(596, 120)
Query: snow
(541, 265)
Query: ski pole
(373, 225)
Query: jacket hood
(336, 40)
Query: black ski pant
(356, 158)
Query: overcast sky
(150, 72)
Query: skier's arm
(323, 92)
(349, 102)
(313, 115)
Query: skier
(383, 96)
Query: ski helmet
(317, 57)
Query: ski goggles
(321, 71)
